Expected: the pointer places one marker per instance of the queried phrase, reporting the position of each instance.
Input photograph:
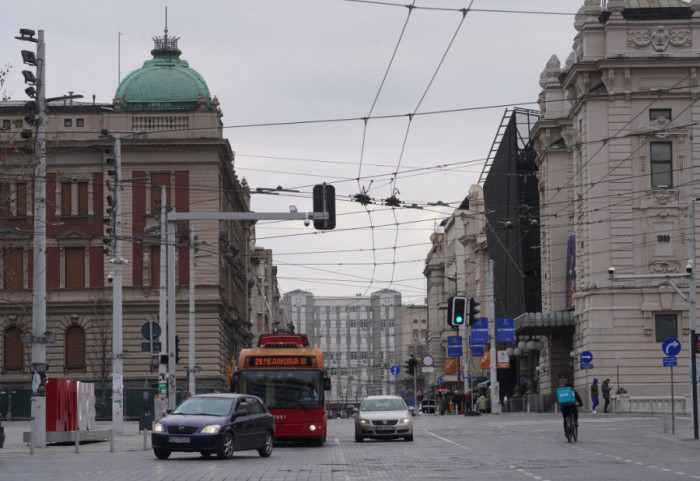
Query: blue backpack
(566, 396)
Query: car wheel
(162, 453)
(358, 438)
(205, 454)
(226, 449)
(408, 438)
(266, 449)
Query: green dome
(165, 82)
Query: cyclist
(566, 410)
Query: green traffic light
(459, 319)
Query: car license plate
(179, 440)
(385, 428)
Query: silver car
(383, 417)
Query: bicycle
(570, 428)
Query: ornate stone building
(171, 137)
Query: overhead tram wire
(482, 10)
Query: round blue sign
(395, 370)
(440, 381)
(671, 346)
(586, 356)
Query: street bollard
(111, 441)
(77, 442)
(666, 422)
(31, 442)
(145, 438)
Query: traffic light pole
(117, 337)
(491, 314)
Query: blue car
(215, 423)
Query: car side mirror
(169, 411)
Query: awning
(544, 322)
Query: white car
(383, 417)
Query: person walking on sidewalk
(605, 387)
(594, 394)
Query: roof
(163, 83)
(655, 3)
(544, 322)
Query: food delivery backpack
(565, 396)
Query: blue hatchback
(215, 423)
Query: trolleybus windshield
(285, 389)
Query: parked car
(428, 406)
(215, 423)
(382, 417)
(2, 433)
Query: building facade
(615, 156)
(171, 139)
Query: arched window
(14, 348)
(75, 348)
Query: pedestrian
(605, 387)
(481, 404)
(594, 394)
(467, 401)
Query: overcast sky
(319, 66)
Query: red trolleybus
(289, 376)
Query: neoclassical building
(614, 167)
(171, 137)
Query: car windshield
(284, 389)
(383, 405)
(205, 406)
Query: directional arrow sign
(586, 357)
(671, 346)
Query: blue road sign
(454, 346)
(395, 370)
(670, 361)
(586, 365)
(586, 357)
(671, 346)
(480, 330)
(505, 329)
(477, 349)
(440, 381)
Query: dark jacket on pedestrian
(605, 387)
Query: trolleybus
(289, 376)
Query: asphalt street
(512, 446)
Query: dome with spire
(166, 82)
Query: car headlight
(159, 428)
(405, 421)
(363, 421)
(211, 429)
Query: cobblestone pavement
(513, 446)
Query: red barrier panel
(61, 405)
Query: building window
(14, 348)
(665, 326)
(415, 321)
(80, 122)
(13, 199)
(155, 265)
(13, 268)
(75, 348)
(352, 323)
(74, 198)
(656, 113)
(18, 123)
(6, 124)
(363, 322)
(67, 122)
(74, 266)
(158, 181)
(363, 355)
(422, 321)
(415, 334)
(661, 164)
(353, 355)
(391, 323)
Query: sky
(369, 96)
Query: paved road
(513, 446)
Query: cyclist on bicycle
(566, 410)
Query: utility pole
(172, 316)
(163, 309)
(117, 338)
(491, 314)
(191, 355)
(692, 286)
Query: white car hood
(384, 414)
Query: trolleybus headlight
(159, 428)
(211, 429)
(312, 428)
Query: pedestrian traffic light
(473, 311)
(458, 313)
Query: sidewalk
(130, 440)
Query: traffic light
(473, 311)
(324, 203)
(458, 313)
(409, 367)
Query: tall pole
(491, 314)
(163, 309)
(692, 284)
(191, 369)
(117, 340)
(38, 400)
(172, 316)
